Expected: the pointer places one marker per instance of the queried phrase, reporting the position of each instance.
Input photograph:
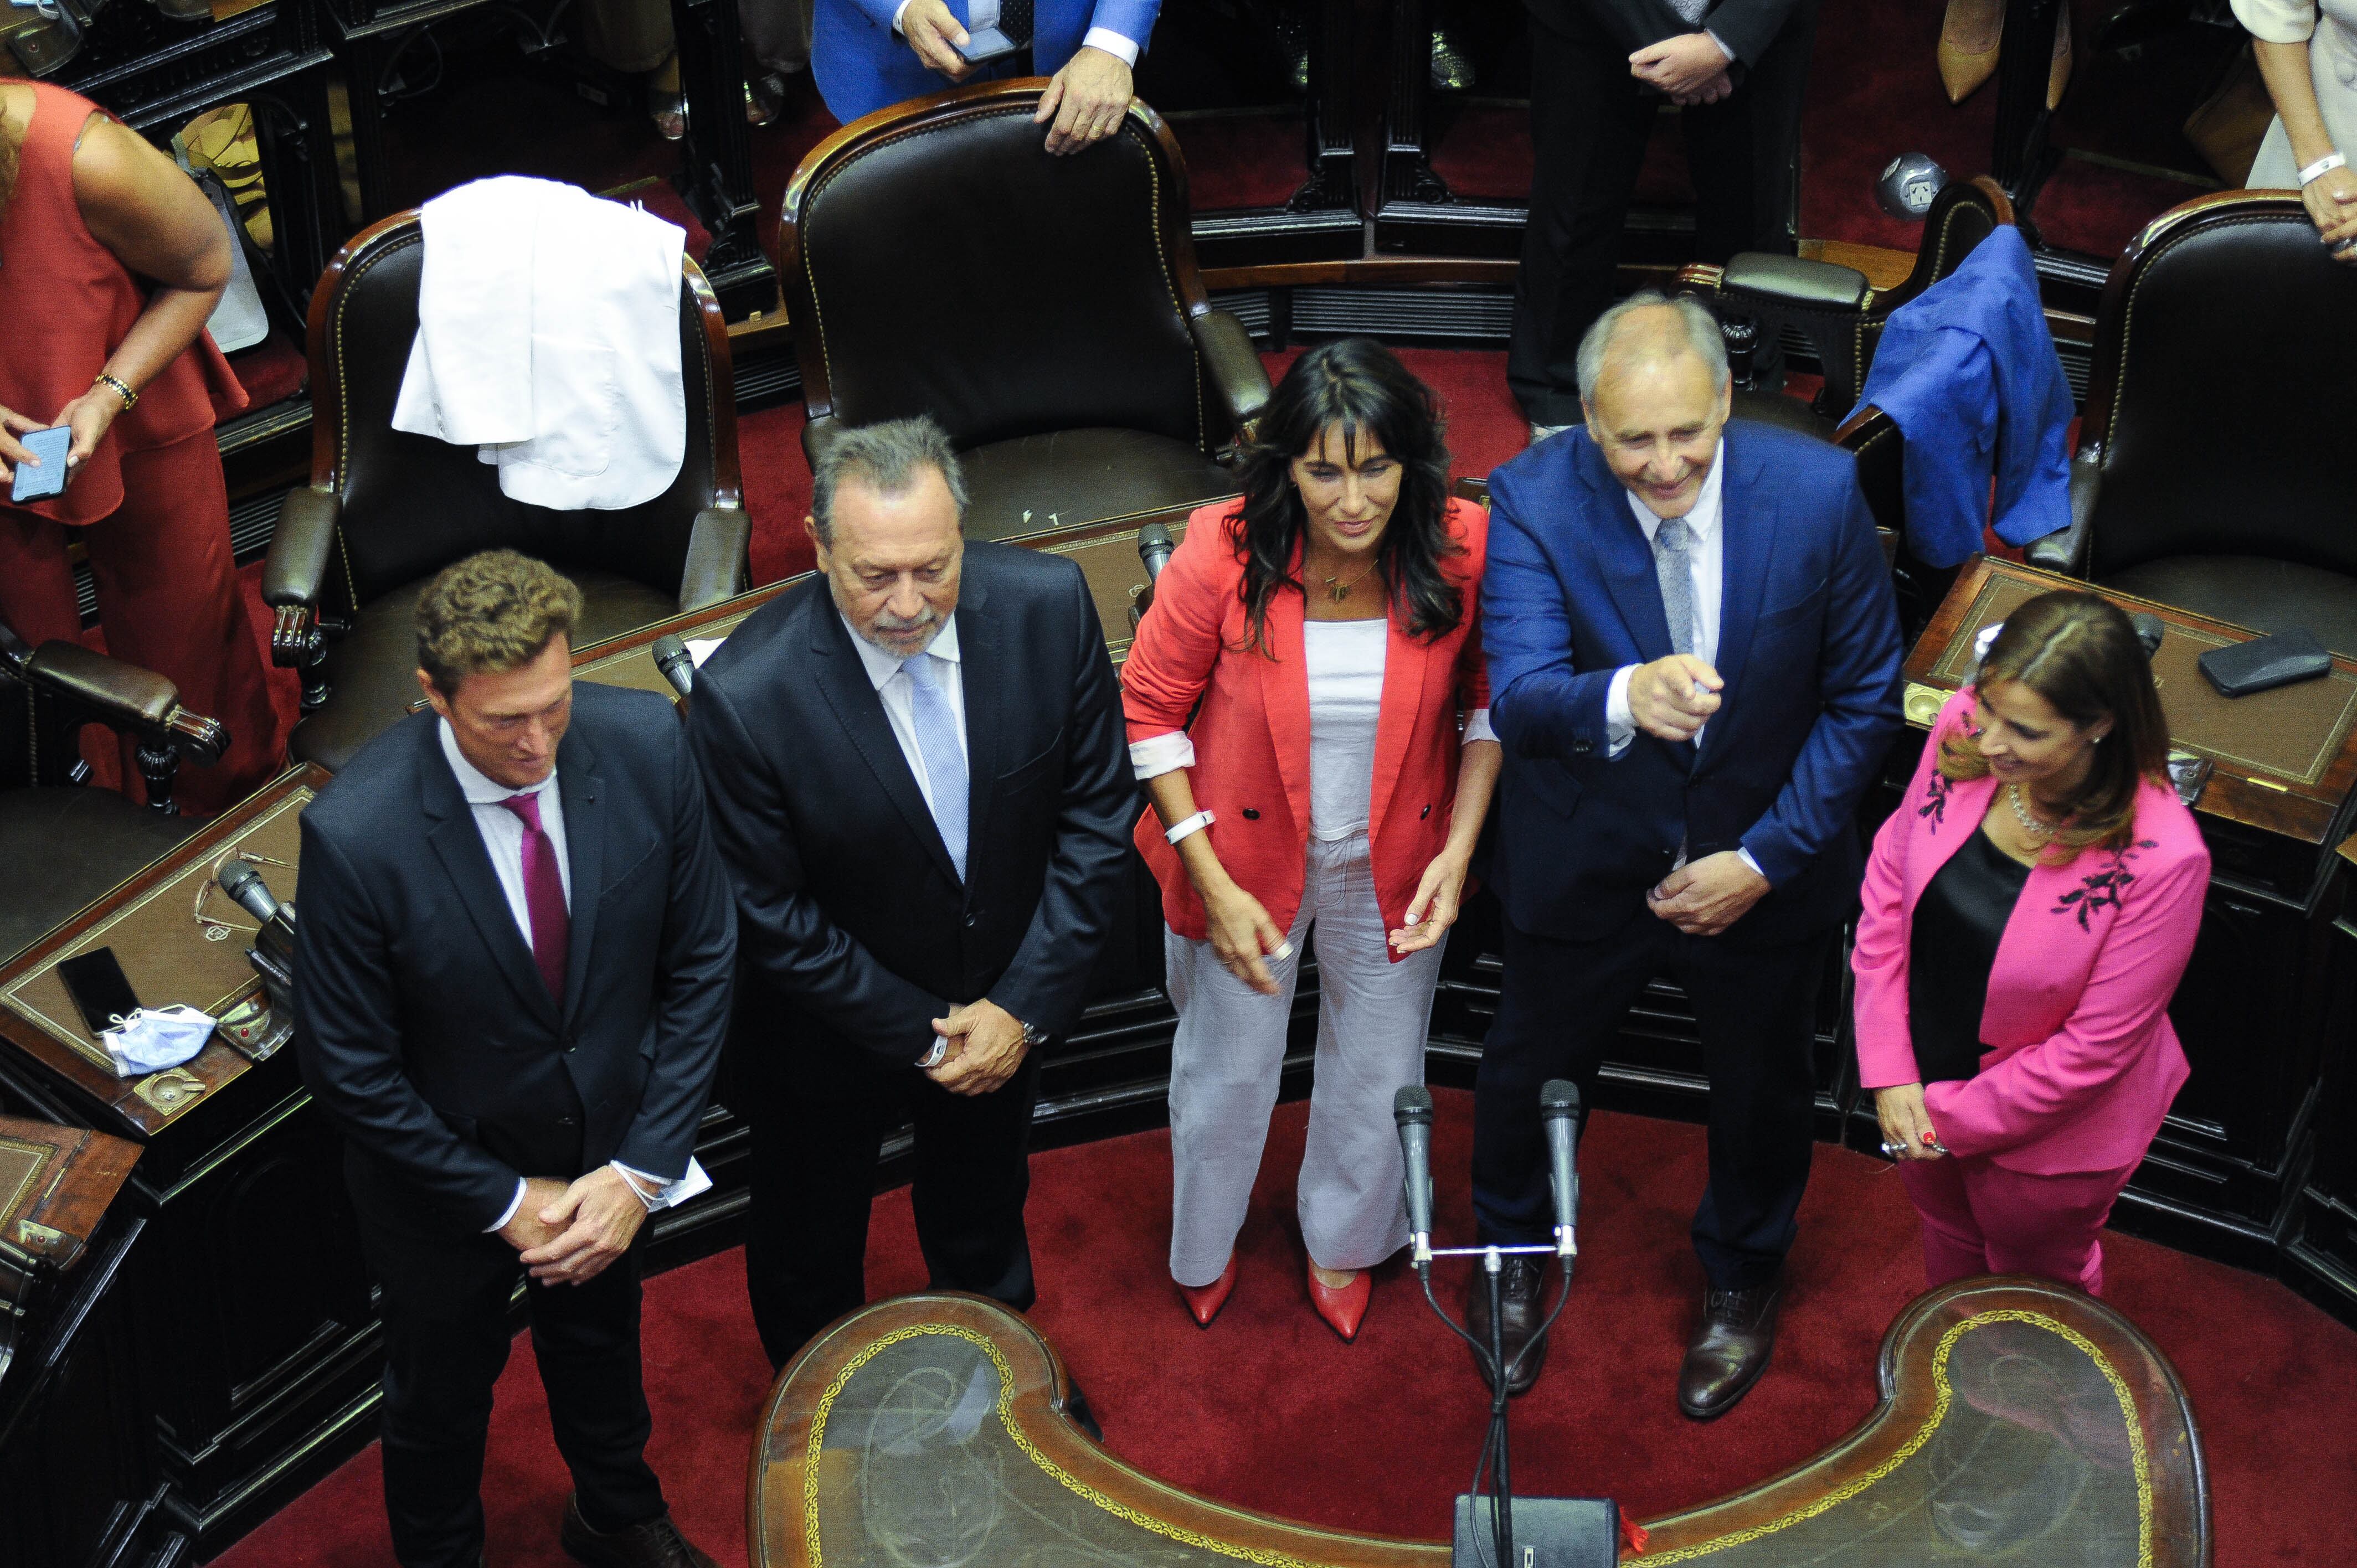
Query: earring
(2095, 740)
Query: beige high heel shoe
(2057, 75)
(1968, 40)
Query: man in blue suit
(1695, 666)
(866, 54)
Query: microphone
(678, 665)
(244, 884)
(1154, 547)
(2149, 630)
(1559, 1113)
(1412, 1110)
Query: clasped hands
(567, 1234)
(985, 1048)
(1086, 99)
(1688, 69)
(1672, 698)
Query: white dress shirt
(1706, 559)
(897, 690)
(503, 833)
(984, 14)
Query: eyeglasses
(217, 929)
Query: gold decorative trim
(1055, 1472)
(40, 1155)
(1907, 1450)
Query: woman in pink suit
(2030, 909)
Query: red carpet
(1268, 1409)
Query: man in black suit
(1600, 72)
(918, 777)
(513, 965)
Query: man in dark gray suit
(919, 778)
(513, 972)
(1600, 70)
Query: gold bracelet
(121, 388)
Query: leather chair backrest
(412, 504)
(2221, 401)
(944, 264)
(1965, 212)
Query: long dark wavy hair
(2081, 655)
(1359, 385)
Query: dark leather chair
(67, 843)
(1046, 311)
(1834, 306)
(386, 510)
(2210, 472)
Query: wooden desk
(2254, 1009)
(936, 1428)
(249, 1285)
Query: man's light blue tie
(1674, 569)
(937, 743)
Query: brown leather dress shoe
(1729, 1349)
(655, 1544)
(1520, 1287)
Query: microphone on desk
(678, 665)
(2149, 630)
(1154, 547)
(244, 884)
(1559, 1114)
(1412, 1110)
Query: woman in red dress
(111, 261)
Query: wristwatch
(1034, 1037)
(934, 1057)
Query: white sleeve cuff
(1713, 38)
(898, 12)
(1477, 726)
(1112, 43)
(1161, 754)
(657, 1193)
(1753, 864)
(1619, 724)
(509, 1211)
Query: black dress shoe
(655, 1544)
(1520, 1286)
(1729, 1349)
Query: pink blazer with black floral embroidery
(2080, 1061)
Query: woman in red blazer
(2030, 909)
(1307, 710)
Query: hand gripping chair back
(2209, 473)
(1046, 311)
(387, 509)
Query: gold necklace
(1337, 592)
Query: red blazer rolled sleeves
(1251, 731)
(2080, 1062)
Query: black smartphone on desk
(99, 987)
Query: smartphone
(96, 983)
(984, 45)
(49, 480)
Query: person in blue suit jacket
(1694, 670)
(866, 54)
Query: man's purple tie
(544, 894)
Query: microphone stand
(1495, 1454)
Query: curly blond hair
(492, 612)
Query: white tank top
(1345, 662)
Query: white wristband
(2320, 168)
(1195, 823)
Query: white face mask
(154, 1038)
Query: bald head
(1647, 330)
